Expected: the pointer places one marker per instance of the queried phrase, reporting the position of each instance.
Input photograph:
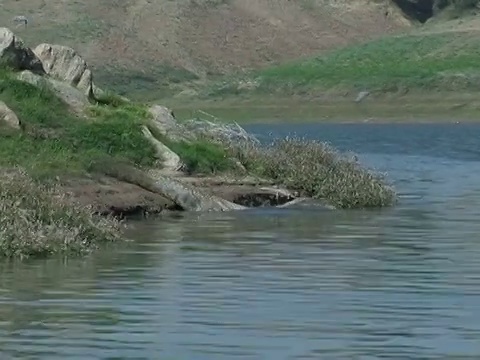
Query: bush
(38, 221)
(202, 156)
(316, 170)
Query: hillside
(437, 59)
(422, 72)
(140, 46)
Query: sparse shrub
(312, 167)
(316, 170)
(38, 221)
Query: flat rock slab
(15, 54)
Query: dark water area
(299, 283)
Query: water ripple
(401, 283)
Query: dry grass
(313, 168)
(38, 221)
(319, 171)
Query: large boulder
(64, 64)
(15, 54)
(8, 117)
(72, 96)
(165, 123)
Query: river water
(398, 283)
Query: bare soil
(109, 196)
(201, 36)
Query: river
(270, 284)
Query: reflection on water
(400, 283)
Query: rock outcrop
(16, 55)
(70, 95)
(64, 64)
(171, 162)
(190, 198)
(165, 123)
(185, 196)
(62, 70)
(8, 117)
(57, 67)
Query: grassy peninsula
(54, 146)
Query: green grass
(150, 84)
(202, 156)
(446, 61)
(36, 220)
(55, 142)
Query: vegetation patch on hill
(435, 62)
(56, 142)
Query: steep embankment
(153, 47)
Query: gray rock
(165, 123)
(8, 117)
(15, 54)
(189, 198)
(64, 64)
(184, 195)
(171, 162)
(75, 98)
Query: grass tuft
(38, 221)
(316, 170)
(202, 156)
(311, 167)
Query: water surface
(398, 283)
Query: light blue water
(400, 283)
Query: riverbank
(382, 108)
(429, 73)
(106, 155)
